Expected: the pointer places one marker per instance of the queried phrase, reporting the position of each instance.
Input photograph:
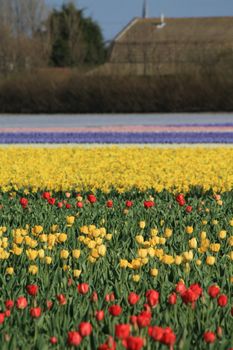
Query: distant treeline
(69, 92)
(32, 36)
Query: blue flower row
(117, 138)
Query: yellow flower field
(92, 168)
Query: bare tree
(22, 38)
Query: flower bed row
(174, 169)
(116, 137)
(133, 270)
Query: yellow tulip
(210, 260)
(31, 254)
(36, 230)
(178, 259)
(222, 234)
(41, 253)
(48, 260)
(33, 269)
(17, 250)
(108, 237)
(102, 250)
(94, 253)
(91, 244)
(168, 232)
(189, 230)
(123, 263)
(167, 259)
(139, 239)
(193, 243)
(64, 254)
(142, 224)
(76, 273)
(154, 272)
(9, 270)
(188, 256)
(162, 240)
(43, 238)
(136, 278)
(215, 247)
(76, 253)
(70, 220)
(91, 259)
(154, 232)
(142, 253)
(62, 237)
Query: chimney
(145, 9)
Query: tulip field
(116, 248)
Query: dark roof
(204, 29)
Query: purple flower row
(116, 137)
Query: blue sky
(113, 15)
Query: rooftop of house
(201, 29)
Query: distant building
(148, 46)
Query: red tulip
(49, 304)
(85, 329)
(189, 296)
(152, 297)
(188, 209)
(79, 204)
(133, 319)
(219, 332)
(180, 288)
(32, 289)
(147, 307)
(51, 201)
(99, 315)
(92, 199)
(70, 282)
(74, 338)
(149, 204)
(7, 313)
(144, 319)
(35, 312)
(222, 300)
(110, 297)
(46, 195)
(59, 204)
(115, 310)
(61, 299)
(83, 288)
(169, 338)
(68, 206)
(109, 204)
(133, 298)
(156, 333)
(196, 288)
(9, 304)
(24, 202)
(21, 303)
(180, 199)
(53, 340)
(122, 331)
(109, 345)
(128, 204)
(2, 317)
(94, 297)
(172, 299)
(134, 343)
(213, 291)
(209, 337)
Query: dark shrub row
(43, 92)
